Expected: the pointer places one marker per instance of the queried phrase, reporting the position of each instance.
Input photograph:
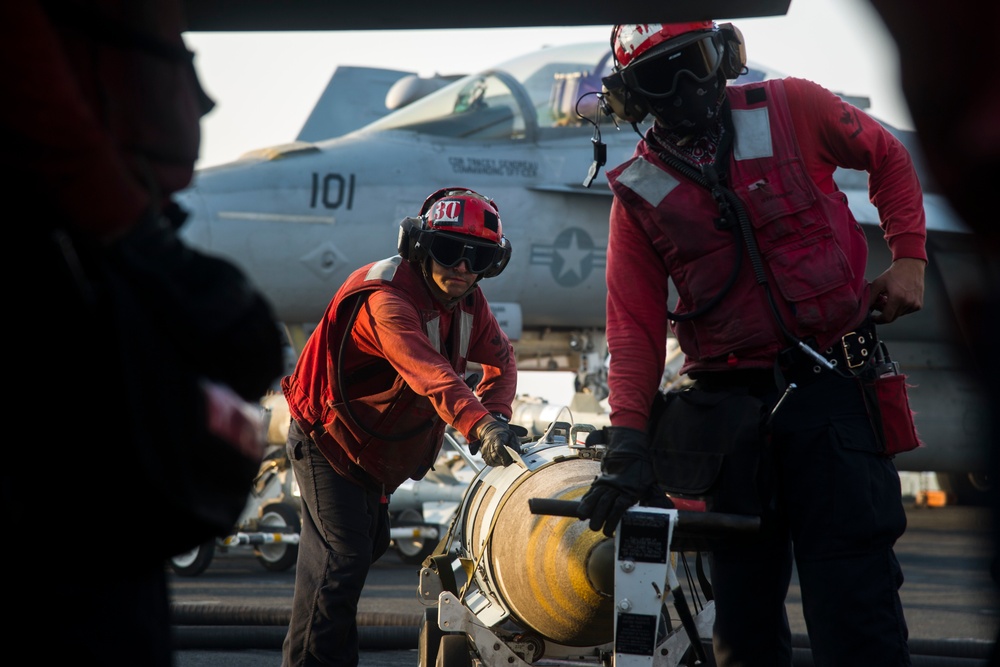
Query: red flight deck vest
(380, 399)
(804, 235)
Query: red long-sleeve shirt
(393, 330)
(400, 333)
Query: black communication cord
(727, 201)
(600, 158)
(708, 179)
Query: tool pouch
(889, 410)
(712, 445)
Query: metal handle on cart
(689, 522)
(463, 452)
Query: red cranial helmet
(675, 71)
(462, 211)
(456, 225)
(655, 60)
(630, 41)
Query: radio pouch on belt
(712, 445)
(884, 389)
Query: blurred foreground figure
(951, 81)
(139, 440)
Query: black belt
(757, 381)
(849, 354)
(854, 349)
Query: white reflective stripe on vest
(434, 332)
(649, 182)
(465, 333)
(753, 134)
(384, 269)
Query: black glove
(495, 437)
(626, 478)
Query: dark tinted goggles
(657, 75)
(449, 250)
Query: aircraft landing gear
(278, 518)
(413, 549)
(194, 562)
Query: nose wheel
(194, 562)
(412, 550)
(279, 556)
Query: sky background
(266, 83)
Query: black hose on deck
(233, 637)
(194, 613)
(199, 626)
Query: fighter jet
(531, 134)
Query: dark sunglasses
(657, 75)
(449, 250)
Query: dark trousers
(345, 528)
(837, 510)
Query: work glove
(494, 439)
(626, 478)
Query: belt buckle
(855, 345)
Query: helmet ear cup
(410, 230)
(622, 101)
(734, 60)
(505, 253)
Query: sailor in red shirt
(373, 389)
(720, 160)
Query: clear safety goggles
(448, 250)
(658, 74)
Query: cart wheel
(194, 562)
(278, 518)
(454, 652)
(413, 550)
